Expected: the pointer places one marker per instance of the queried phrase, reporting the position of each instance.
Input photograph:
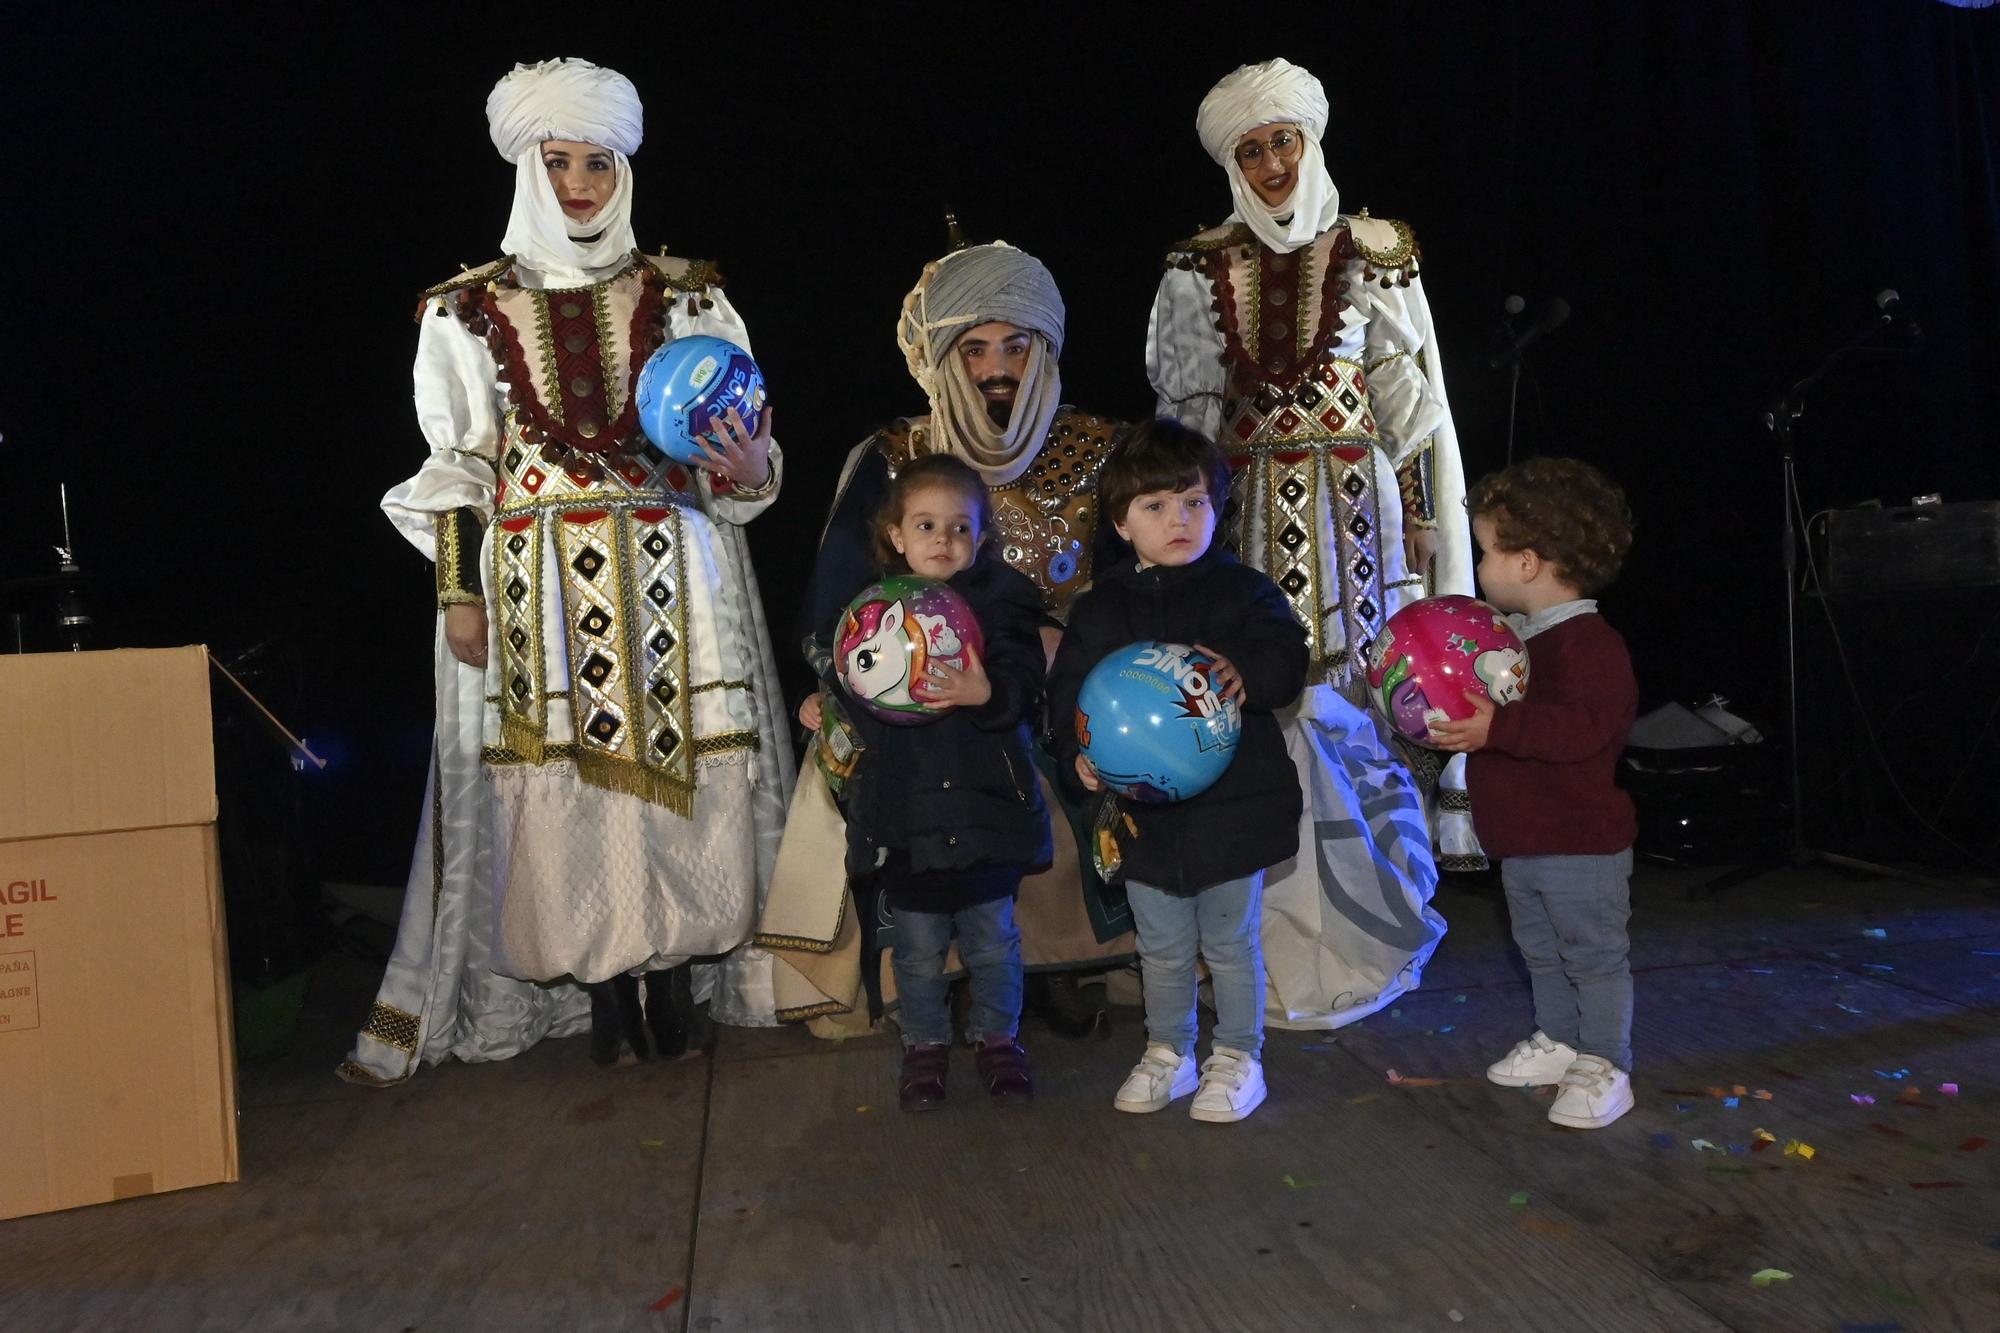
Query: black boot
(605, 1034)
(1060, 1000)
(631, 1018)
(669, 1007)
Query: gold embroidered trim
(350, 1072)
(472, 277)
(1306, 329)
(1396, 256)
(724, 742)
(545, 337)
(1454, 801)
(804, 1012)
(454, 530)
(1216, 238)
(806, 944)
(607, 353)
(392, 1026)
(723, 685)
(701, 273)
(460, 597)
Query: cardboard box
(117, 1070)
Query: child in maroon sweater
(1552, 532)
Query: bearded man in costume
(1299, 338)
(982, 333)
(609, 772)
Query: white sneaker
(1533, 1063)
(1232, 1086)
(1594, 1093)
(1162, 1076)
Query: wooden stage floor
(777, 1187)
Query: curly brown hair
(918, 474)
(1565, 511)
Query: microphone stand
(1779, 420)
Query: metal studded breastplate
(1047, 517)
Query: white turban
(576, 101)
(981, 285)
(1252, 96)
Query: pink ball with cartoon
(892, 634)
(1431, 652)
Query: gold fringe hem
(607, 773)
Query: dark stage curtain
(217, 235)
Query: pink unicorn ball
(891, 635)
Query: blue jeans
(989, 943)
(1569, 915)
(1220, 923)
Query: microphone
(1553, 314)
(1890, 303)
(1513, 305)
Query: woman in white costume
(609, 776)
(1299, 339)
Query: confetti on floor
(1973, 1144)
(1892, 1075)
(1876, 933)
(1300, 1183)
(667, 1301)
(1764, 1277)
(1948, 1089)
(1402, 1082)
(1795, 1148)
(1518, 1199)
(1861, 1099)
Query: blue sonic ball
(1152, 724)
(687, 388)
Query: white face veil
(967, 288)
(577, 101)
(1267, 94)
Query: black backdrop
(218, 231)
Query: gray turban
(966, 288)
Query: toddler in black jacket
(945, 818)
(1194, 869)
